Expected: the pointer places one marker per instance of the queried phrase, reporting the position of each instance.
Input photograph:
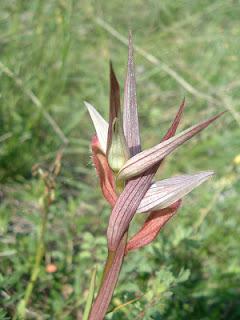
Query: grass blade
(90, 295)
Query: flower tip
(206, 174)
(87, 105)
(101, 126)
(90, 108)
(130, 35)
(211, 172)
(111, 66)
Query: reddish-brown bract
(104, 172)
(114, 103)
(152, 226)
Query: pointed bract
(114, 104)
(173, 128)
(165, 192)
(130, 114)
(101, 126)
(146, 159)
(151, 228)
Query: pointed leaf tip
(130, 113)
(100, 124)
(165, 192)
(114, 103)
(146, 159)
(114, 94)
(173, 128)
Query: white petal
(101, 126)
(163, 193)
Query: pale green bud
(118, 152)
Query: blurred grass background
(53, 56)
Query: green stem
(21, 308)
(90, 295)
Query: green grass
(59, 51)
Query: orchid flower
(126, 177)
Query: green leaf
(90, 294)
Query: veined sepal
(146, 159)
(164, 193)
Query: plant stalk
(21, 308)
(109, 281)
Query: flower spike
(131, 197)
(126, 178)
(130, 115)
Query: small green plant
(49, 180)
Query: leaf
(165, 192)
(183, 275)
(124, 305)
(148, 158)
(130, 114)
(101, 126)
(152, 226)
(90, 295)
(104, 172)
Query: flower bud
(118, 152)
